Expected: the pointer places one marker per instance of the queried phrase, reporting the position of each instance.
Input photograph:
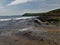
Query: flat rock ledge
(40, 35)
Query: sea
(15, 22)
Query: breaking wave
(15, 18)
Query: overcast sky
(18, 7)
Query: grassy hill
(52, 17)
(55, 12)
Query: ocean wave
(15, 18)
(5, 19)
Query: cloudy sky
(19, 7)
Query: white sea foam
(23, 18)
(5, 19)
(15, 18)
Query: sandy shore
(47, 36)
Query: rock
(32, 34)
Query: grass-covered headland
(52, 17)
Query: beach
(27, 32)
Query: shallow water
(16, 23)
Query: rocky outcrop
(41, 35)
